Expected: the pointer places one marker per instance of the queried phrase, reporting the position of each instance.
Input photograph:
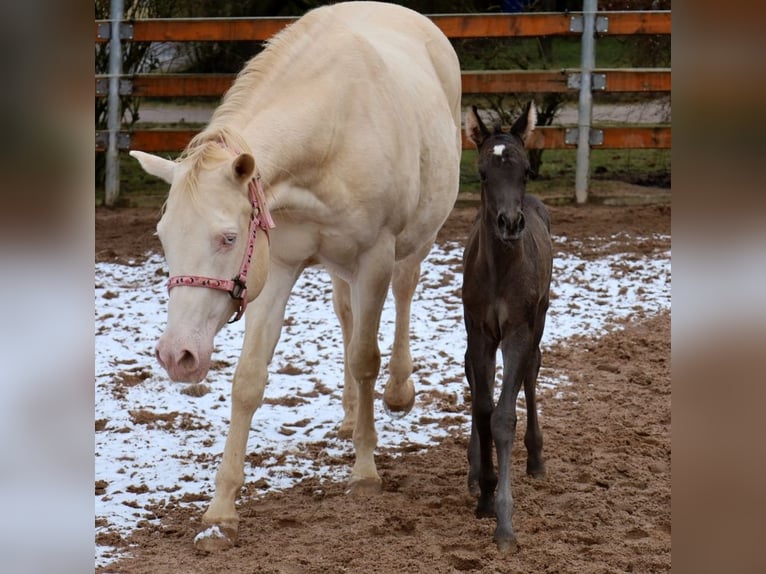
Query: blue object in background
(514, 5)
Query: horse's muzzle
(182, 364)
(510, 228)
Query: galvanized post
(114, 109)
(585, 107)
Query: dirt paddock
(604, 506)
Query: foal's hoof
(215, 538)
(473, 487)
(364, 486)
(506, 545)
(536, 470)
(398, 401)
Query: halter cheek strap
(260, 218)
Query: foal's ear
(525, 125)
(475, 130)
(155, 165)
(243, 167)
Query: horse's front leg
(503, 432)
(368, 294)
(399, 394)
(264, 323)
(480, 372)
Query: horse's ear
(475, 130)
(155, 165)
(525, 125)
(243, 167)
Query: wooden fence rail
(474, 82)
(454, 26)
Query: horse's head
(503, 170)
(205, 232)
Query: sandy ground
(603, 507)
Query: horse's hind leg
(533, 438)
(341, 299)
(399, 394)
(368, 294)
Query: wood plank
(552, 137)
(503, 81)
(454, 26)
(638, 22)
(474, 82)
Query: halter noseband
(236, 287)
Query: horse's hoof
(473, 487)
(538, 473)
(364, 486)
(397, 412)
(346, 431)
(506, 545)
(485, 508)
(536, 470)
(398, 403)
(215, 538)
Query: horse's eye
(228, 239)
(482, 175)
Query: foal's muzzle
(510, 228)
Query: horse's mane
(281, 50)
(220, 139)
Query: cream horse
(346, 130)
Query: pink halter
(237, 287)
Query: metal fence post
(585, 106)
(114, 109)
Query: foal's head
(503, 171)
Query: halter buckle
(238, 288)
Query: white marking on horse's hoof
(398, 400)
(396, 414)
(215, 538)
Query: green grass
(636, 166)
(557, 174)
(526, 53)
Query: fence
(588, 24)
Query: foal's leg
(533, 438)
(504, 418)
(341, 300)
(480, 371)
(368, 294)
(399, 394)
(264, 319)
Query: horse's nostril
(502, 222)
(188, 361)
(520, 222)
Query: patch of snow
(144, 461)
